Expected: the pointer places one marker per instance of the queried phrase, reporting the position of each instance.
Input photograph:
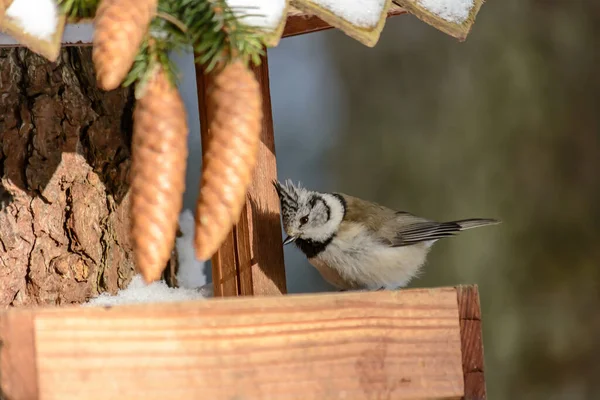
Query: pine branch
(218, 35)
(214, 30)
(155, 49)
(78, 9)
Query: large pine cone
(159, 155)
(228, 163)
(120, 26)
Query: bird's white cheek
(321, 233)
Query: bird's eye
(304, 220)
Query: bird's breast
(331, 274)
(355, 258)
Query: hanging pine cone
(229, 160)
(120, 26)
(159, 154)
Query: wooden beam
(472, 342)
(300, 24)
(362, 345)
(250, 261)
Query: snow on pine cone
(229, 160)
(120, 26)
(159, 156)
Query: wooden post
(250, 261)
(469, 311)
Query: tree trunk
(65, 160)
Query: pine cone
(229, 160)
(120, 26)
(159, 154)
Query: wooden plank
(250, 261)
(18, 375)
(301, 24)
(369, 345)
(472, 342)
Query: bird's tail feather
(476, 223)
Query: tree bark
(64, 159)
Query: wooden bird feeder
(408, 344)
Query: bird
(357, 244)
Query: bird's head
(308, 215)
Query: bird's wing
(411, 230)
(396, 228)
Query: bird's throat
(312, 248)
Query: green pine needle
(212, 29)
(220, 36)
(78, 9)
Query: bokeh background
(504, 125)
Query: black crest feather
(288, 198)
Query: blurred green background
(505, 125)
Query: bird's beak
(289, 239)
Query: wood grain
(370, 345)
(267, 273)
(472, 342)
(18, 375)
(250, 261)
(303, 24)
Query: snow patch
(38, 18)
(456, 11)
(265, 14)
(189, 277)
(190, 273)
(360, 13)
(139, 292)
